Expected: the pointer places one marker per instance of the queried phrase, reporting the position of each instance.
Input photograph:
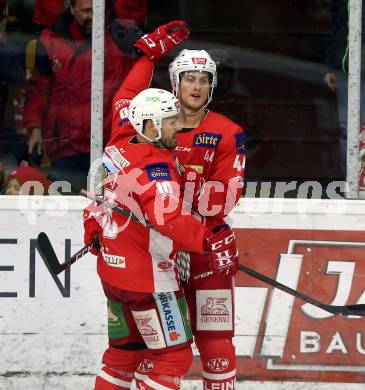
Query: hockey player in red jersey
(213, 146)
(136, 262)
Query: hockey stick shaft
(358, 309)
(97, 199)
(355, 310)
(83, 251)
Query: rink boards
(53, 330)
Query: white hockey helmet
(155, 104)
(193, 61)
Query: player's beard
(168, 143)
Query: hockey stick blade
(354, 310)
(47, 252)
(50, 256)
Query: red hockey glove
(222, 250)
(164, 39)
(92, 225)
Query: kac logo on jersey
(206, 140)
(240, 143)
(159, 171)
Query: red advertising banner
(279, 337)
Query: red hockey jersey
(215, 149)
(144, 179)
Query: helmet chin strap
(196, 112)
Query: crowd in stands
(45, 83)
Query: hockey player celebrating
(211, 148)
(136, 262)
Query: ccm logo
(226, 241)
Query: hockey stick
(356, 310)
(348, 310)
(45, 245)
(49, 255)
(100, 201)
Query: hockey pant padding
(118, 370)
(166, 369)
(219, 362)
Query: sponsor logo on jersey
(145, 366)
(144, 328)
(115, 261)
(108, 165)
(240, 143)
(215, 310)
(197, 168)
(117, 157)
(120, 103)
(159, 171)
(165, 265)
(206, 140)
(172, 322)
(199, 61)
(221, 385)
(149, 327)
(218, 364)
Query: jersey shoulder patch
(116, 156)
(158, 171)
(121, 103)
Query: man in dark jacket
(57, 106)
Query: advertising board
(53, 329)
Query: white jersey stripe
(218, 377)
(114, 381)
(160, 248)
(148, 381)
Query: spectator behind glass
(57, 104)
(46, 11)
(337, 53)
(11, 76)
(2, 174)
(21, 175)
